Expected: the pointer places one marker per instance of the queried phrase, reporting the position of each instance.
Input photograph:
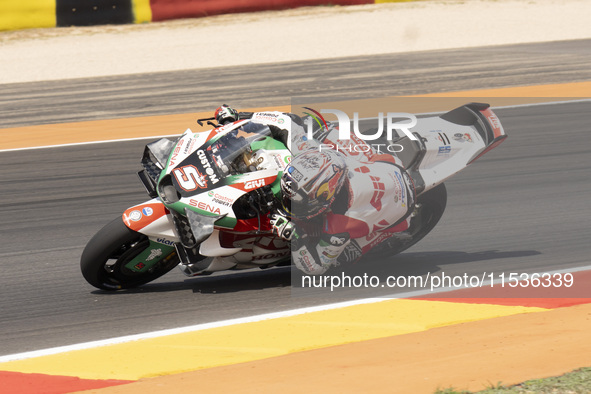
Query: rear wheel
(103, 262)
(429, 209)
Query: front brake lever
(200, 121)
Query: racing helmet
(226, 114)
(311, 182)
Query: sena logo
(205, 207)
(254, 184)
(177, 150)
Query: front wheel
(105, 261)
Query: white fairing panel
(161, 230)
(449, 149)
(211, 246)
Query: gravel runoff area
(282, 36)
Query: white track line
(249, 319)
(175, 135)
(242, 320)
(87, 143)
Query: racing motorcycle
(212, 194)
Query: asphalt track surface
(275, 84)
(521, 208)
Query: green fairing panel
(154, 253)
(268, 143)
(257, 141)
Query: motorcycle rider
(335, 202)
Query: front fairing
(208, 172)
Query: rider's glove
(282, 226)
(305, 262)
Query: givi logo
(254, 184)
(248, 185)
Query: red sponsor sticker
(138, 217)
(254, 183)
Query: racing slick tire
(106, 254)
(428, 210)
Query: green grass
(575, 382)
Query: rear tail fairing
(448, 143)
